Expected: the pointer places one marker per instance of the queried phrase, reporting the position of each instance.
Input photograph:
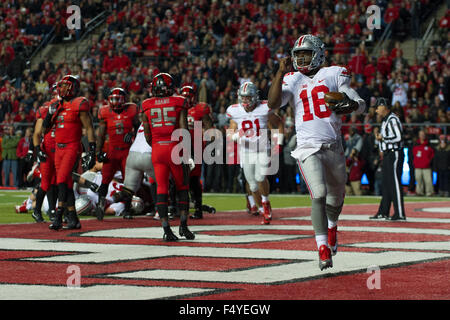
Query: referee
(391, 144)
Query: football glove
(128, 138)
(41, 156)
(345, 106)
(30, 156)
(102, 157)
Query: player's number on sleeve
(247, 128)
(160, 117)
(319, 107)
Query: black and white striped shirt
(391, 131)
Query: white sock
(261, 209)
(29, 204)
(264, 198)
(321, 239)
(251, 200)
(331, 224)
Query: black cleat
(72, 221)
(37, 216)
(185, 232)
(169, 236)
(198, 214)
(395, 218)
(378, 216)
(208, 209)
(57, 221)
(56, 225)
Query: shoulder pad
(82, 103)
(147, 104)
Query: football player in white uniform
(319, 151)
(86, 192)
(139, 162)
(250, 120)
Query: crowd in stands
(216, 45)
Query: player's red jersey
(118, 124)
(48, 173)
(197, 113)
(49, 137)
(68, 123)
(163, 115)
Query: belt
(165, 142)
(61, 145)
(121, 148)
(329, 146)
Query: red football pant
(48, 171)
(65, 159)
(163, 165)
(197, 172)
(117, 160)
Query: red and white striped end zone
(233, 257)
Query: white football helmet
(137, 204)
(83, 205)
(310, 43)
(248, 89)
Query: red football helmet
(117, 98)
(68, 86)
(189, 93)
(162, 85)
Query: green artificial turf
(222, 202)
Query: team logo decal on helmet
(162, 85)
(309, 43)
(248, 96)
(68, 86)
(54, 89)
(117, 99)
(189, 93)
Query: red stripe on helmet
(301, 40)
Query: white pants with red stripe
(325, 175)
(255, 165)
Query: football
(332, 98)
